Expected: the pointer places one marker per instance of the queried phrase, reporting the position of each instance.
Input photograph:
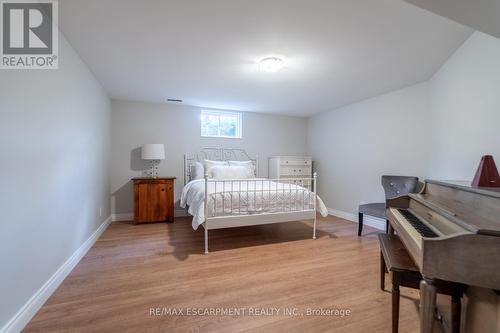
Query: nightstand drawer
(153, 181)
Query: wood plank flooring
(134, 269)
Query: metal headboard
(217, 154)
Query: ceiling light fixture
(271, 64)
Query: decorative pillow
(197, 171)
(228, 172)
(249, 166)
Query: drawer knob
(163, 190)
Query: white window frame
(219, 113)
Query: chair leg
(456, 309)
(387, 226)
(390, 229)
(360, 223)
(382, 271)
(395, 307)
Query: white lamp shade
(153, 151)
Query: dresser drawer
(296, 161)
(303, 183)
(296, 170)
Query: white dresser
(291, 167)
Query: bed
(246, 200)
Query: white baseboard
(343, 215)
(180, 213)
(367, 220)
(122, 217)
(130, 216)
(31, 307)
(374, 222)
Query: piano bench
(404, 273)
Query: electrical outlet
(100, 212)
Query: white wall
(465, 109)
(178, 127)
(54, 151)
(464, 122)
(354, 145)
(438, 129)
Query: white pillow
(249, 166)
(228, 172)
(209, 163)
(197, 171)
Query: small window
(221, 124)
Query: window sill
(221, 137)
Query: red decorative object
(487, 173)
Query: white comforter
(236, 197)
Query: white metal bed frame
(235, 216)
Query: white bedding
(264, 196)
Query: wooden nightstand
(153, 199)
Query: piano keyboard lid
(477, 209)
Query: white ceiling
(205, 52)
(483, 15)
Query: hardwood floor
(135, 268)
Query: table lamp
(154, 153)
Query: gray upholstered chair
(394, 186)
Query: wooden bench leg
(395, 307)
(360, 223)
(456, 309)
(382, 271)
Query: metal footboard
(245, 202)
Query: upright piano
(452, 232)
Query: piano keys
(452, 232)
(417, 224)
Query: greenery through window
(220, 124)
